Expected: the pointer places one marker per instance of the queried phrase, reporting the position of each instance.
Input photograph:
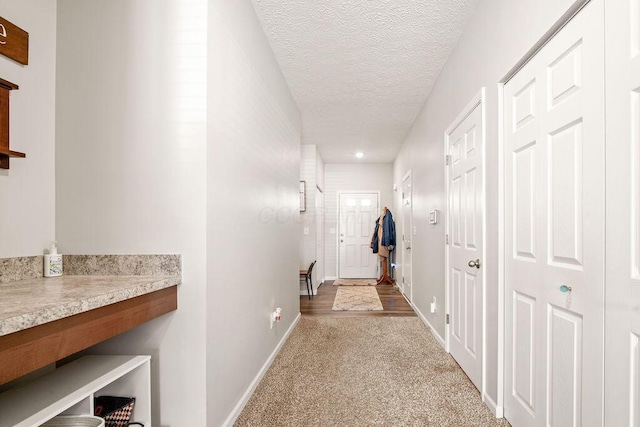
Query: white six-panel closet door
(554, 230)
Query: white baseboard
(331, 278)
(304, 292)
(237, 410)
(431, 328)
(498, 411)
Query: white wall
(131, 167)
(27, 190)
(312, 172)
(498, 35)
(357, 178)
(308, 165)
(253, 204)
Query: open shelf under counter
(70, 390)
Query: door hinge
(446, 238)
(447, 159)
(403, 195)
(447, 319)
(402, 279)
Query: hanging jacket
(388, 233)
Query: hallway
(364, 370)
(393, 303)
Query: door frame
(478, 100)
(339, 193)
(502, 232)
(321, 236)
(404, 178)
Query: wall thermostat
(433, 217)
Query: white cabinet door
(622, 355)
(554, 230)
(358, 214)
(465, 248)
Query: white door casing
(407, 232)
(358, 214)
(622, 350)
(464, 145)
(554, 229)
(319, 267)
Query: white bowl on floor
(75, 421)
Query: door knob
(475, 263)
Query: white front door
(622, 350)
(358, 215)
(407, 223)
(465, 249)
(554, 229)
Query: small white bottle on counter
(53, 262)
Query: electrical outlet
(433, 305)
(276, 315)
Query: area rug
(355, 282)
(357, 299)
(365, 371)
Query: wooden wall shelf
(5, 151)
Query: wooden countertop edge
(30, 319)
(33, 348)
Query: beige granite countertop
(32, 302)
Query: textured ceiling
(360, 70)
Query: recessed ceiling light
(359, 154)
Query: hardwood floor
(393, 303)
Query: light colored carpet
(357, 299)
(365, 371)
(355, 282)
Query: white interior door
(358, 214)
(319, 267)
(407, 232)
(554, 229)
(622, 354)
(465, 249)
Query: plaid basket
(116, 411)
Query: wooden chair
(307, 278)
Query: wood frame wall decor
(5, 150)
(14, 42)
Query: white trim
(330, 278)
(407, 175)
(546, 37)
(237, 410)
(478, 100)
(483, 106)
(426, 322)
(338, 194)
(501, 255)
(498, 411)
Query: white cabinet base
(70, 390)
